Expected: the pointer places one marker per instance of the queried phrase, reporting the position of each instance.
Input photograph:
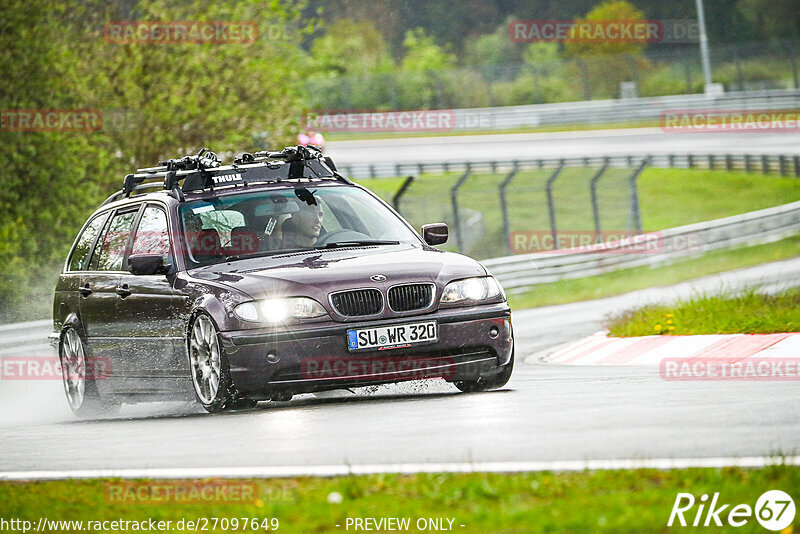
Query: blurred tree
(772, 19)
(173, 99)
(609, 10)
(492, 48)
(42, 171)
(541, 53)
(421, 68)
(423, 54)
(601, 65)
(186, 96)
(349, 47)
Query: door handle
(123, 291)
(85, 291)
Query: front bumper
(472, 342)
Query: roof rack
(205, 171)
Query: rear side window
(110, 254)
(79, 261)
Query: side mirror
(146, 264)
(435, 234)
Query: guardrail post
(587, 88)
(595, 203)
(690, 161)
(782, 164)
(504, 207)
(728, 162)
(797, 165)
(454, 201)
(670, 160)
(551, 208)
(793, 59)
(372, 171)
(636, 213)
(687, 69)
(747, 163)
(634, 70)
(764, 164)
(711, 162)
(401, 191)
(739, 73)
(398, 169)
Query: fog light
(494, 332)
(272, 357)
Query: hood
(317, 273)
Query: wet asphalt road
(499, 147)
(547, 412)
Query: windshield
(277, 221)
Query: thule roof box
(205, 171)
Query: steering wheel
(342, 234)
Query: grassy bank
(625, 280)
(743, 313)
(668, 198)
(597, 501)
(357, 136)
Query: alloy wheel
(204, 356)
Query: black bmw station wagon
(268, 277)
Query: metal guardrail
(624, 110)
(782, 165)
(762, 226)
(620, 110)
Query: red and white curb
(600, 349)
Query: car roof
(165, 197)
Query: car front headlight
(279, 310)
(472, 290)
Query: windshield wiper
(263, 254)
(365, 243)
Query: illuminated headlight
(278, 310)
(472, 289)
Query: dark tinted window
(112, 251)
(83, 249)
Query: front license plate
(390, 337)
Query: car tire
(493, 382)
(209, 368)
(82, 395)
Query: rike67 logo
(774, 510)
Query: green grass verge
(596, 501)
(356, 136)
(747, 312)
(623, 281)
(668, 198)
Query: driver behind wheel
(303, 228)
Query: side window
(112, 251)
(152, 234)
(79, 261)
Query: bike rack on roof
(205, 171)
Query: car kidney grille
(358, 302)
(410, 297)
